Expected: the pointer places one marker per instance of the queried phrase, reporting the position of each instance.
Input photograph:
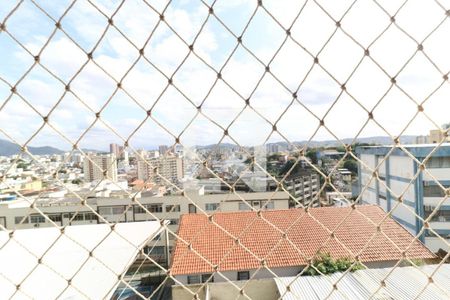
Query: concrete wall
(254, 274)
(435, 243)
(401, 166)
(262, 289)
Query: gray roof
(402, 283)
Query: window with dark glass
(192, 209)
(155, 208)
(193, 279)
(433, 191)
(244, 275)
(55, 218)
(172, 208)
(439, 216)
(211, 206)
(18, 220)
(207, 278)
(37, 219)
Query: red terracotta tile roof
(301, 228)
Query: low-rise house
(233, 246)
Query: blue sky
(84, 24)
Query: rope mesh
(84, 73)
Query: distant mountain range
(378, 140)
(8, 148)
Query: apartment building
(421, 194)
(436, 135)
(168, 166)
(303, 187)
(163, 149)
(116, 149)
(97, 167)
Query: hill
(8, 148)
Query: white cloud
(317, 93)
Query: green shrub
(325, 264)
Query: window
(154, 208)
(192, 209)
(111, 210)
(433, 191)
(438, 162)
(212, 206)
(439, 216)
(193, 279)
(37, 219)
(77, 217)
(104, 211)
(90, 217)
(55, 218)
(172, 208)
(207, 278)
(18, 220)
(157, 250)
(174, 221)
(244, 275)
(138, 209)
(118, 210)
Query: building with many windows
(304, 187)
(170, 167)
(100, 167)
(421, 193)
(116, 149)
(16, 214)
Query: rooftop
(401, 283)
(306, 234)
(81, 263)
(418, 150)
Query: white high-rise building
(421, 194)
(169, 167)
(99, 167)
(126, 158)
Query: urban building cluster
(263, 190)
(435, 136)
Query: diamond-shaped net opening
(290, 150)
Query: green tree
(312, 155)
(325, 264)
(22, 165)
(76, 181)
(351, 165)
